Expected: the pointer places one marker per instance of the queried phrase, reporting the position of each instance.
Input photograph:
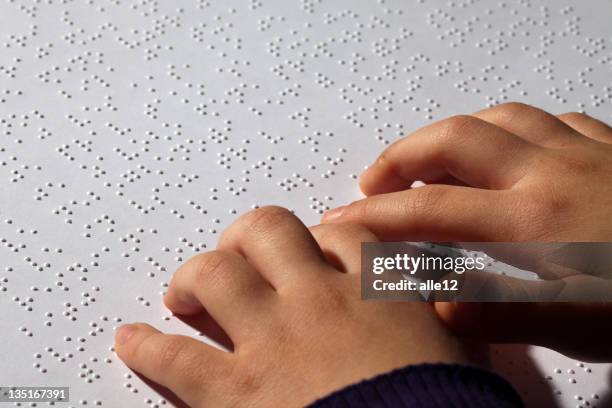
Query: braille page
(134, 132)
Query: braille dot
(175, 143)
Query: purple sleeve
(426, 385)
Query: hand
(289, 299)
(509, 173)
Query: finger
(486, 286)
(588, 126)
(223, 283)
(478, 285)
(532, 124)
(276, 243)
(184, 365)
(466, 148)
(549, 261)
(433, 212)
(341, 244)
(563, 326)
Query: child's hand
(509, 173)
(292, 308)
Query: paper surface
(134, 132)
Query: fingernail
(333, 214)
(124, 333)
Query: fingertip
(442, 309)
(365, 182)
(445, 311)
(381, 178)
(179, 306)
(124, 334)
(128, 338)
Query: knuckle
(576, 164)
(266, 218)
(457, 127)
(246, 381)
(540, 212)
(283, 327)
(422, 200)
(556, 205)
(169, 353)
(422, 206)
(334, 297)
(573, 117)
(211, 265)
(327, 301)
(510, 110)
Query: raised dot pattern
(133, 132)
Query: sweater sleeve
(426, 385)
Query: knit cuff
(426, 385)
